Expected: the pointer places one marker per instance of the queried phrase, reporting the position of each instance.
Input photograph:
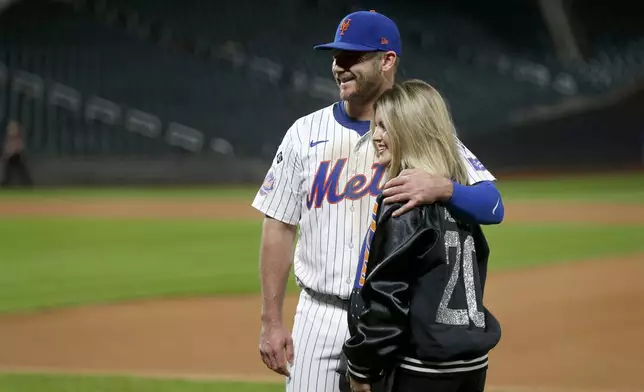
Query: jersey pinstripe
(324, 179)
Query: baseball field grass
(71, 383)
(51, 262)
(61, 262)
(613, 187)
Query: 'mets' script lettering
(325, 184)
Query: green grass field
(71, 383)
(56, 262)
(619, 187)
(82, 261)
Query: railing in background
(59, 121)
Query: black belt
(329, 298)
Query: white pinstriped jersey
(324, 178)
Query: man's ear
(389, 60)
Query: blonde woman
(417, 320)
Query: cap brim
(345, 46)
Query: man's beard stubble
(367, 87)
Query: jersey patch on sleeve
(268, 184)
(278, 158)
(476, 164)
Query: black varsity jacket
(417, 301)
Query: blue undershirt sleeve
(480, 203)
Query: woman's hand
(357, 386)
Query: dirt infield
(573, 327)
(560, 211)
(130, 209)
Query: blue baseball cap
(365, 31)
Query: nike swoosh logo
(313, 144)
(496, 206)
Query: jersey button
(348, 280)
(352, 208)
(350, 245)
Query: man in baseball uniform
(324, 179)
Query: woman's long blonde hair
(421, 131)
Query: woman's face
(381, 141)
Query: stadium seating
(87, 80)
(97, 77)
(614, 41)
(481, 97)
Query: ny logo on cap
(344, 26)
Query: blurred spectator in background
(13, 156)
